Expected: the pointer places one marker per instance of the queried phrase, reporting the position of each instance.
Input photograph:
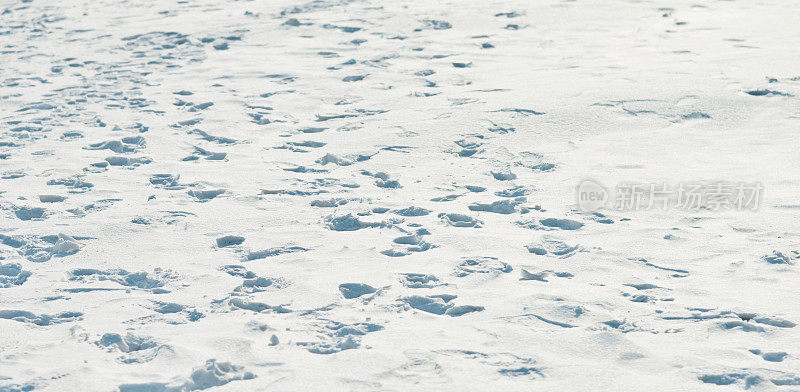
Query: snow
(363, 195)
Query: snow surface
(366, 195)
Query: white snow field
(338, 195)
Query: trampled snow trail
(366, 195)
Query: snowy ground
(365, 195)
